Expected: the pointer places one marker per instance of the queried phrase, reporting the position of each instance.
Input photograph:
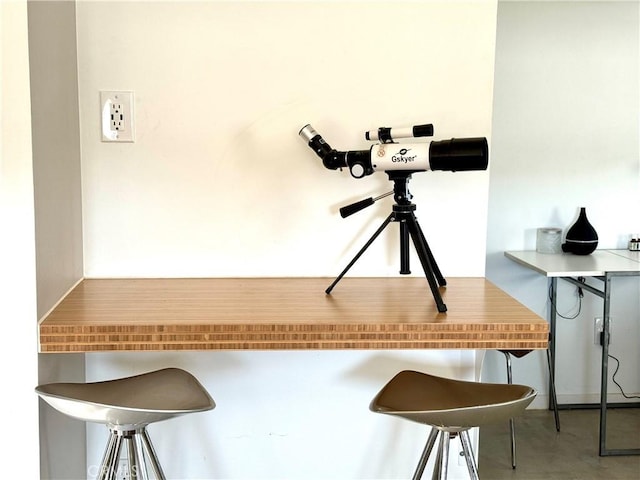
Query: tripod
(403, 212)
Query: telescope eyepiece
(307, 133)
(331, 158)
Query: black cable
(613, 377)
(580, 295)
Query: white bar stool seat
(450, 407)
(126, 406)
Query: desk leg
(553, 293)
(605, 294)
(604, 374)
(606, 335)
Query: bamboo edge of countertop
(103, 314)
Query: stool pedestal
(139, 454)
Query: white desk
(603, 265)
(568, 265)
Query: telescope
(456, 154)
(400, 161)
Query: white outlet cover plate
(119, 129)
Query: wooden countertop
(287, 314)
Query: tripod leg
(436, 271)
(405, 269)
(388, 220)
(427, 265)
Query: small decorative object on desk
(548, 240)
(582, 238)
(634, 243)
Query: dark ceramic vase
(582, 238)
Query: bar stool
(450, 407)
(126, 406)
(554, 401)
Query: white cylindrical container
(548, 240)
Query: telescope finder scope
(389, 135)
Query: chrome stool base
(139, 453)
(440, 469)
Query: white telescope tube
(400, 156)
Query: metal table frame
(623, 265)
(605, 294)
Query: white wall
(57, 207)
(294, 415)
(17, 245)
(218, 183)
(56, 149)
(218, 174)
(566, 135)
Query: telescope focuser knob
(359, 163)
(357, 170)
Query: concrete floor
(571, 454)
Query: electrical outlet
(117, 117)
(598, 330)
(116, 113)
